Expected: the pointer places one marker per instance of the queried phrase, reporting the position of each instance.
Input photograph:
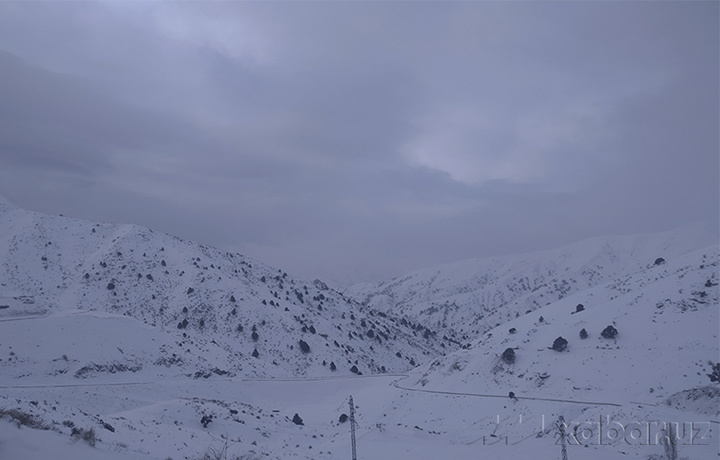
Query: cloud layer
(354, 141)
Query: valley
(121, 343)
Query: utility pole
(352, 428)
(561, 426)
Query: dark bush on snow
(714, 375)
(343, 418)
(609, 332)
(304, 346)
(297, 420)
(86, 435)
(508, 355)
(560, 344)
(21, 418)
(583, 333)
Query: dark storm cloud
(358, 140)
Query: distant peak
(5, 204)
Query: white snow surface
(472, 296)
(77, 356)
(207, 310)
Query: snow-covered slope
(134, 300)
(119, 342)
(472, 296)
(616, 395)
(666, 318)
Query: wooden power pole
(352, 428)
(561, 428)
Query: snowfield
(94, 371)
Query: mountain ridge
(194, 292)
(472, 296)
(129, 339)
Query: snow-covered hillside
(642, 349)
(472, 296)
(117, 342)
(666, 323)
(134, 300)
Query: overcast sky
(357, 141)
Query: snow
(27, 444)
(75, 355)
(472, 296)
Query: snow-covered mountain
(141, 345)
(639, 351)
(134, 299)
(470, 297)
(662, 330)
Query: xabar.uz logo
(606, 431)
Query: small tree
(255, 353)
(580, 307)
(583, 334)
(333, 367)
